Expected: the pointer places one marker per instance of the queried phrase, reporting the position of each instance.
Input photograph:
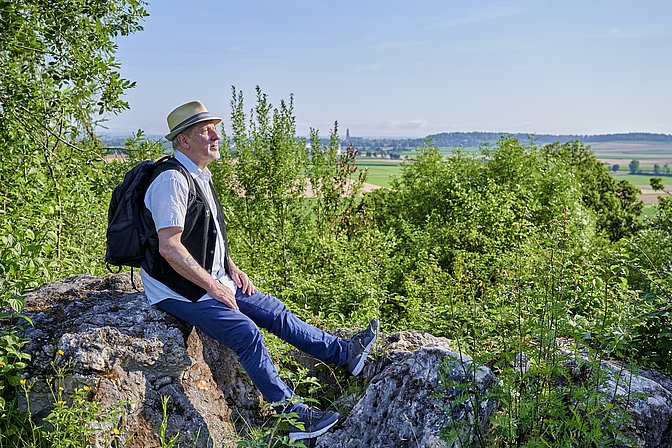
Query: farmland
(382, 171)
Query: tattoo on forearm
(190, 261)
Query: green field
(642, 180)
(651, 152)
(647, 154)
(381, 171)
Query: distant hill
(468, 139)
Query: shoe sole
(360, 364)
(309, 435)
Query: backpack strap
(171, 163)
(164, 164)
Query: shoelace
(309, 414)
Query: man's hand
(241, 279)
(224, 295)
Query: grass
(380, 172)
(642, 180)
(648, 212)
(446, 150)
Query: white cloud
(371, 67)
(394, 46)
(408, 124)
(487, 12)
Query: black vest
(199, 236)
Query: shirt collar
(192, 168)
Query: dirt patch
(366, 188)
(649, 196)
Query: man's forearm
(232, 265)
(184, 264)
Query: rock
(126, 351)
(646, 396)
(411, 397)
(641, 397)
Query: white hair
(176, 143)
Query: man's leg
(234, 330)
(271, 314)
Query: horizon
(161, 135)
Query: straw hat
(186, 115)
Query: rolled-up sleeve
(166, 198)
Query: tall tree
(614, 202)
(58, 64)
(58, 72)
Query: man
(194, 278)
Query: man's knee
(245, 336)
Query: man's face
(202, 141)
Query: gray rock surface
(646, 395)
(411, 397)
(126, 351)
(641, 397)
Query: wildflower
(23, 382)
(60, 388)
(86, 388)
(116, 431)
(60, 352)
(2, 363)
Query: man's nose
(214, 135)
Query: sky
(403, 68)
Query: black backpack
(128, 232)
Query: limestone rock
(641, 397)
(127, 351)
(412, 396)
(646, 395)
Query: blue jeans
(239, 330)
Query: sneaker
(359, 346)
(315, 422)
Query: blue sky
(409, 68)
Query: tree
(615, 203)
(657, 183)
(634, 166)
(615, 167)
(58, 61)
(58, 72)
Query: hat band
(191, 120)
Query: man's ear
(182, 140)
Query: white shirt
(166, 198)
